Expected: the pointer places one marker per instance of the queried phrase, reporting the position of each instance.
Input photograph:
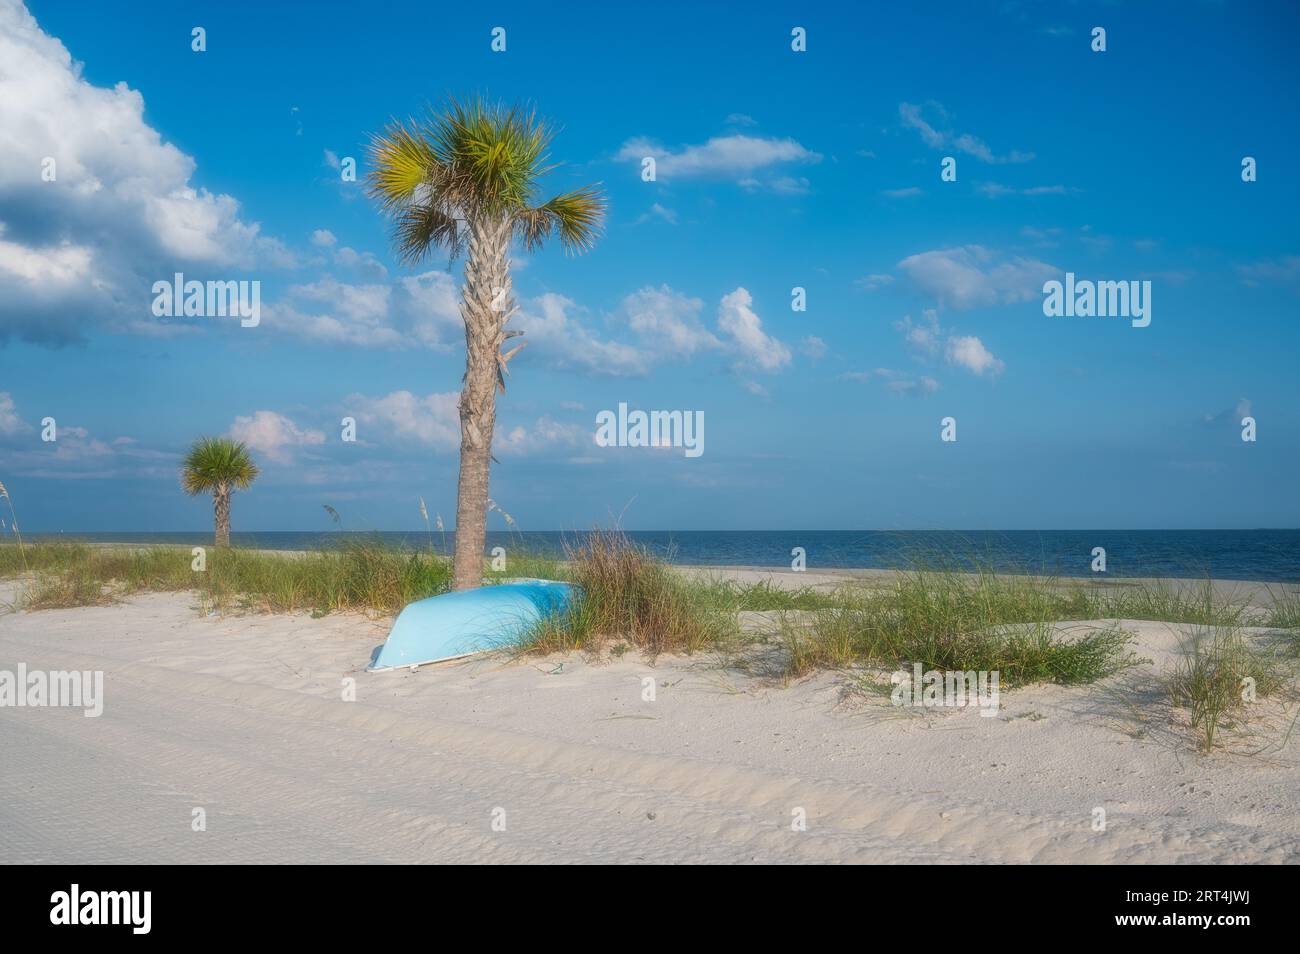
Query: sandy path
(243, 716)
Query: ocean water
(1265, 555)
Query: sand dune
(244, 717)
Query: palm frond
(576, 216)
(401, 161)
(420, 228)
(211, 461)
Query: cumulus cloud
(734, 156)
(120, 210)
(669, 319)
(421, 310)
(432, 421)
(650, 326)
(738, 320)
(972, 276)
(274, 435)
(555, 333)
(967, 351)
(665, 325)
(927, 339)
(545, 435)
(10, 423)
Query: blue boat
(465, 622)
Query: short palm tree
(220, 466)
(464, 179)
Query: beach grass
(357, 575)
(959, 621)
(629, 597)
(1219, 676)
(945, 616)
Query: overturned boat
(452, 625)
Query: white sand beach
(244, 717)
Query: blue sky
(775, 169)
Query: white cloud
(668, 320)
(926, 339)
(424, 311)
(972, 276)
(274, 435)
(906, 193)
(363, 262)
(121, 211)
(323, 238)
(418, 310)
(553, 331)
(546, 434)
(741, 323)
(967, 351)
(432, 420)
(912, 117)
(10, 423)
(923, 337)
(735, 155)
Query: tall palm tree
(220, 466)
(464, 179)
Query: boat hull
(466, 622)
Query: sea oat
(13, 521)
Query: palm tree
(465, 180)
(220, 466)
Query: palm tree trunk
(221, 511)
(485, 308)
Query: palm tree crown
(435, 177)
(216, 461)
